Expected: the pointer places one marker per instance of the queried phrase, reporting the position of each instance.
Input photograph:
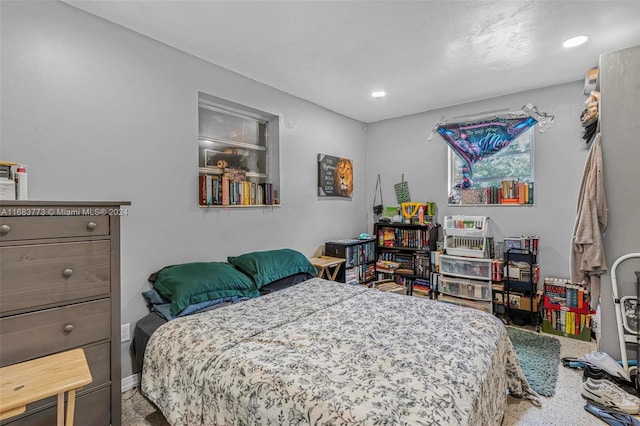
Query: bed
(322, 352)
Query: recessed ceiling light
(575, 41)
(378, 94)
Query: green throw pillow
(191, 283)
(268, 266)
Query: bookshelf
(359, 255)
(403, 254)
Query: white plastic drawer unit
(479, 269)
(466, 226)
(476, 304)
(460, 287)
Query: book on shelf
(422, 264)
(232, 188)
(209, 190)
(387, 266)
(421, 291)
(510, 191)
(417, 238)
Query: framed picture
(335, 176)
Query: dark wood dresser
(60, 289)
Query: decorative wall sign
(335, 176)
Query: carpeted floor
(566, 407)
(539, 356)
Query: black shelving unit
(360, 258)
(410, 245)
(525, 309)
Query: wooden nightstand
(327, 266)
(30, 381)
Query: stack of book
(422, 288)
(387, 266)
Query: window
(238, 139)
(513, 163)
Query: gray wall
(400, 146)
(102, 113)
(619, 81)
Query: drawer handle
(91, 226)
(67, 273)
(68, 328)
(5, 229)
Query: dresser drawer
(36, 227)
(92, 409)
(41, 275)
(32, 335)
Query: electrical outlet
(124, 333)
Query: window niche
(238, 154)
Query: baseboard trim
(130, 382)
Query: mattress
(324, 352)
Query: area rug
(539, 357)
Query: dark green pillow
(196, 282)
(271, 265)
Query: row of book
(567, 321)
(416, 264)
(360, 274)
(563, 293)
(216, 190)
(422, 264)
(406, 238)
(525, 242)
(355, 252)
(420, 287)
(509, 192)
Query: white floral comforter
(326, 353)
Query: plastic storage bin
(483, 306)
(466, 267)
(466, 226)
(479, 247)
(467, 236)
(460, 287)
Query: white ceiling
(424, 54)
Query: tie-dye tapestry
(473, 141)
